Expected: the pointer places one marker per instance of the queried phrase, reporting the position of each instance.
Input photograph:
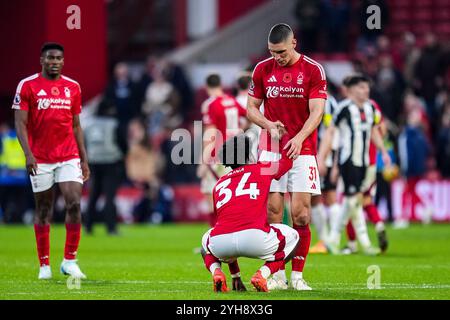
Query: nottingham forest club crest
(300, 78)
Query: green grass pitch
(158, 262)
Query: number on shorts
(253, 191)
(312, 174)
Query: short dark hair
(354, 79)
(243, 82)
(213, 80)
(50, 46)
(279, 33)
(235, 151)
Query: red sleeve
(318, 87)
(256, 89)
(242, 111)
(76, 107)
(210, 117)
(276, 169)
(284, 165)
(22, 97)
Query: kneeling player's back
(240, 197)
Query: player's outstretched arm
(276, 129)
(78, 133)
(21, 121)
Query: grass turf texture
(157, 262)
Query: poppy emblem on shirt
(55, 91)
(287, 77)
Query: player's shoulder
(264, 65)
(343, 106)
(70, 81)
(207, 103)
(314, 65)
(27, 80)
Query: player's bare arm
(78, 133)
(316, 109)
(208, 141)
(21, 121)
(325, 148)
(378, 141)
(276, 129)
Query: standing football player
(293, 88)
(47, 107)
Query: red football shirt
(286, 92)
(51, 105)
(224, 113)
(373, 147)
(240, 197)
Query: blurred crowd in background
(410, 81)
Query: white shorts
(50, 173)
(275, 245)
(303, 176)
(209, 181)
(370, 179)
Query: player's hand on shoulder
(85, 170)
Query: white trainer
(71, 268)
(275, 283)
(300, 284)
(371, 251)
(45, 273)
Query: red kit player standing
(293, 88)
(47, 107)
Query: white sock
(379, 226)
(359, 223)
(265, 271)
(280, 274)
(213, 267)
(353, 245)
(296, 275)
(339, 216)
(319, 219)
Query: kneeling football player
(242, 230)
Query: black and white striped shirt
(354, 125)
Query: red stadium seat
(422, 3)
(422, 16)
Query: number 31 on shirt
(253, 191)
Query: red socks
(351, 234)
(43, 243)
(73, 232)
(372, 213)
(209, 259)
(298, 262)
(234, 267)
(275, 266)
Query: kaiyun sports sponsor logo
(58, 103)
(284, 92)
